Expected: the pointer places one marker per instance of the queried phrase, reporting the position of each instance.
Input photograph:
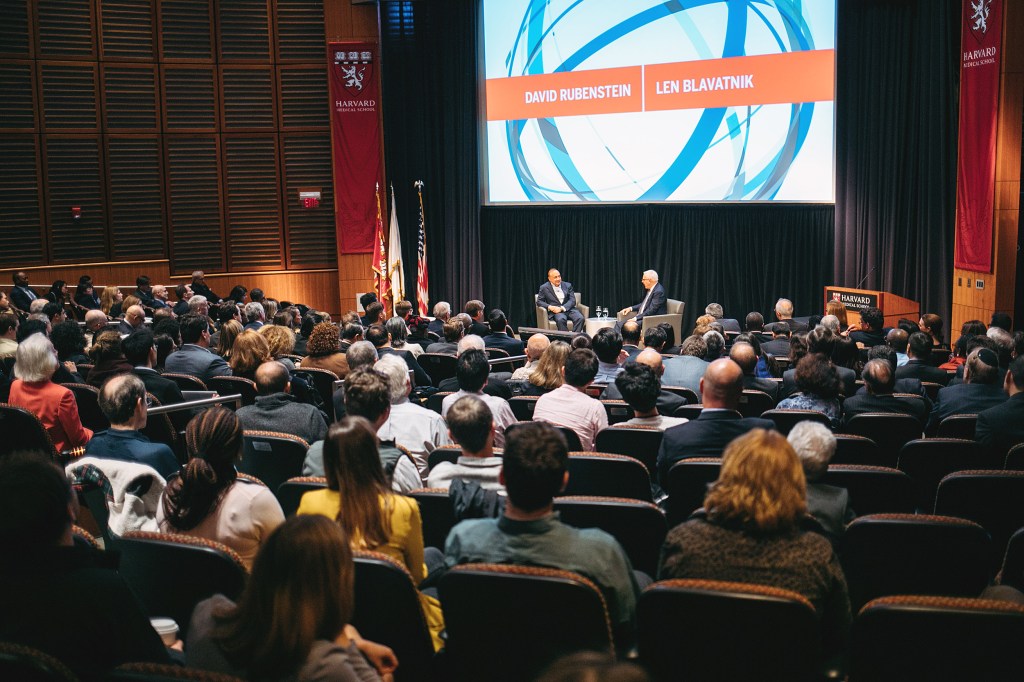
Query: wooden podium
(892, 306)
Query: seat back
(89, 412)
(25, 664)
(22, 430)
(172, 573)
(435, 400)
(890, 431)
(512, 621)
(852, 449)
(272, 457)
(640, 527)
(958, 426)
(888, 554)
(928, 460)
(690, 412)
(687, 486)
(1012, 572)
(873, 490)
(437, 514)
(936, 638)
(445, 453)
(290, 493)
(617, 411)
(160, 429)
(323, 381)
(232, 385)
(186, 382)
(607, 475)
(164, 672)
(785, 420)
(992, 498)
(523, 406)
(439, 366)
(688, 629)
(387, 611)
(1015, 458)
(754, 403)
(636, 441)
(688, 393)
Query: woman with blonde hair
(838, 309)
(226, 337)
(248, 353)
(359, 497)
(548, 375)
(750, 531)
(110, 298)
(208, 500)
(281, 341)
(291, 622)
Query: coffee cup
(166, 628)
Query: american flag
(423, 300)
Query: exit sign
(309, 198)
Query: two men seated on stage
(558, 298)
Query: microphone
(865, 277)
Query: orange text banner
(577, 93)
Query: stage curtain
(896, 147)
(743, 257)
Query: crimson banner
(356, 140)
(981, 40)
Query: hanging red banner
(981, 43)
(356, 140)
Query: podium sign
(853, 300)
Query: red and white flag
(422, 298)
(381, 283)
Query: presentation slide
(648, 100)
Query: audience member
(22, 293)
(548, 375)
(716, 311)
(47, 581)
(477, 324)
(749, 532)
(134, 317)
(471, 371)
(442, 313)
(743, 354)
(365, 301)
(666, 402)
(631, 339)
(754, 322)
(718, 423)
(610, 356)
(323, 350)
(535, 470)
(897, 339)
(499, 337)
(784, 317)
(123, 402)
(1001, 427)
(249, 351)
(58, 293)
(195, 357)
(276, 410)
(452, 332)
(654, 339)
(981, 389)
(592, 666)
(226, 337)
(931, 324)
(255, 316)
(1001, 321)
(69, 341)
(870, 331)
(8, 335)
(686, 371)
(291, 622)
(715, 343)
(779, 345)
(183, 292)
(471, 425)
(569, 405)
(918, 365)
(670, 347)
(880, 380)
(819, 385)
(815, 445)
(281, 342)
(381, 340)
(535, 347)
(398, 330)
(414, 428)
(107, 359)
(639, 386)
(350, 333)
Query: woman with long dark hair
(58, 293)
(208, 500)
(291, 622)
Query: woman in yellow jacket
(359, 498)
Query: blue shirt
(133, 446)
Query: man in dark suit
(869, 332)
(442, 313)
(134, 318)
(631, 339)
(140, 351)
(830, 505)
(719, 422)
(195, 357)
(184, 293)
(1001, 427)
(199, 287)
(743, 355)
(654, 301)
(880, 379)
(981, 390)
(475, 310)
(784, 315)
(558, 298)
(22, 294)
(499, 338)
(381, 340)
(919, 351)
(667, 402)
(779, 345)
(716, 311)
(452, 333)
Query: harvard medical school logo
(979, 17)
(355, 68)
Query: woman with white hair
(815, 445)
(34, 390)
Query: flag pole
(422, 297)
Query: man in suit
(880, 379)
(716, 311)
(144, 291)
(558, 299)
(442, 313)
(919, 351)
(784, 314)
(779, 345)
(499, 338)
(381, 340)
(195, 357)
(980, 390)
(199, 287)
(869, 333)
(475, 310)
(1001, 427)
(688, 369)
(22, 294)
(350, 333)
(452, 333)
(718, 424)
(830, 505)
(743, 355)
(631, 339)
(140, 351)
(496, 384)
(653, 303)
(134, 317)
(255, 316)
(667, 402)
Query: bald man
(718, 424)
(559, 300)
(535, 347)
(668, 402)
(743, 355)
(134, 317)
(276, 410)
(95, 320)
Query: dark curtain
(428, 52)
(743, 257)
(896, 147)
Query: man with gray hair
(415, 428)
(981, 389)
(716, 311)
(122, 400)
(199, 305)
(497, 384)
(535, 347)
(654, 301)
(784, 313)
(715, 343)
(199, 287)
(830, 505)
(880, 379)
(256, 316)
(442, 313)
(360, 354)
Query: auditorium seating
(928, 460)
(322, 380)
(637, 441)
(785, 419)
(290, 493)
(755, 403)
(611, 475)
(438, 365)
(873, 490)
(640, 527)
(25, 664)
(687, 486)
(958, 426)
(89, 413)
(890, 431)
(232, 385)
(992, 498)
(272, 457)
